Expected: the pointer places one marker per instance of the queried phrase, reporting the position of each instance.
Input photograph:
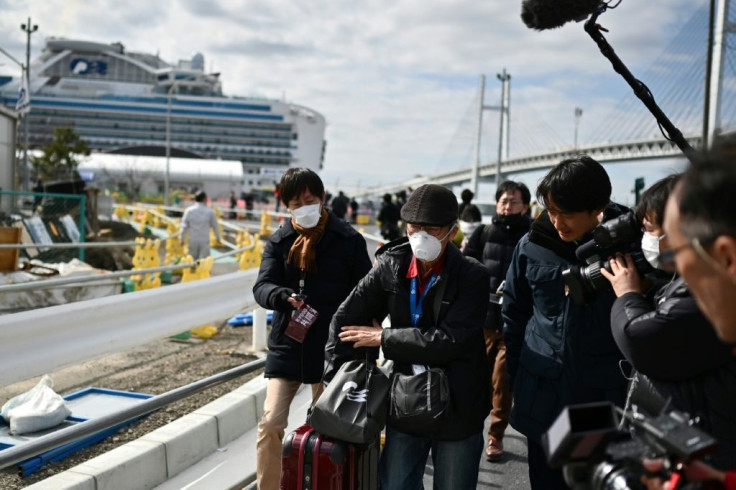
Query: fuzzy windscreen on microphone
(550, 14)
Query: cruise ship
(123, 102)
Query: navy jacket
(558, 353)
(342, 260)
(455, 343)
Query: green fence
(46, 218)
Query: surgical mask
(307, 216)
(468, 227)
(650, 248)
(426, 247)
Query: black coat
(495, 253)
(342, 260)
(455, 344)
(675, 346)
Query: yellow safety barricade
(250, 259)
(201, 270)
(146, 256)
(266, 224)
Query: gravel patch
(153, 368)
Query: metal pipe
(67, 245)
(51, 283)
(38, 446)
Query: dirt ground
(152, 368)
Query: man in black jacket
(493, 245)
(434, 297)
(557, 352)
(314, 259)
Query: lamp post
(168, 141)
(29, 29)
(578, 115)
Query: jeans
(404, 457)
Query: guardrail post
(259, 329)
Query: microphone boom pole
(640, 89)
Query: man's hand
(362, 336)
(695, 471)
(624, 277)
(293, 301)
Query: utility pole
(578, 115)
(29, 29)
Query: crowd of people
(496, 315)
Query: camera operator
(558, 352)
(668, 340)
(700, 223)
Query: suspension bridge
(629, 132)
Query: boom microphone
(550, 14)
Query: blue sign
(81, 66)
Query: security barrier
(146, 256)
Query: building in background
(122, 102)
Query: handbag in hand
(353, 406)
(419, 402)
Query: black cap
(432, 205)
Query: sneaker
(494, 450)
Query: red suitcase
(311, 461)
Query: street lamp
(168, 140)
(29, 29)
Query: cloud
(396, 80)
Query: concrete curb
(154, 458)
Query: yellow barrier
(146, 256)
(249, 259)
(175, 251)
(266, 224)
(201, 270)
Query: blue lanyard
(415, 306)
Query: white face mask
(307, 216)
(650, 248)
(468, 228)
(426, 247)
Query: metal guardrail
(92, 278)
(4, 246)
(29, 449)
(43, 340)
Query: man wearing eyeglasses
(436, 299)
(557, 352)
(700, 222)
(493, 246)
(666, 338)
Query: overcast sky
(394, 78)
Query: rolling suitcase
(311, 461)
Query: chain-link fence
(45, 218)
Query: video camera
(620, 235)
(596, 455)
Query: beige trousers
(279, 395)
